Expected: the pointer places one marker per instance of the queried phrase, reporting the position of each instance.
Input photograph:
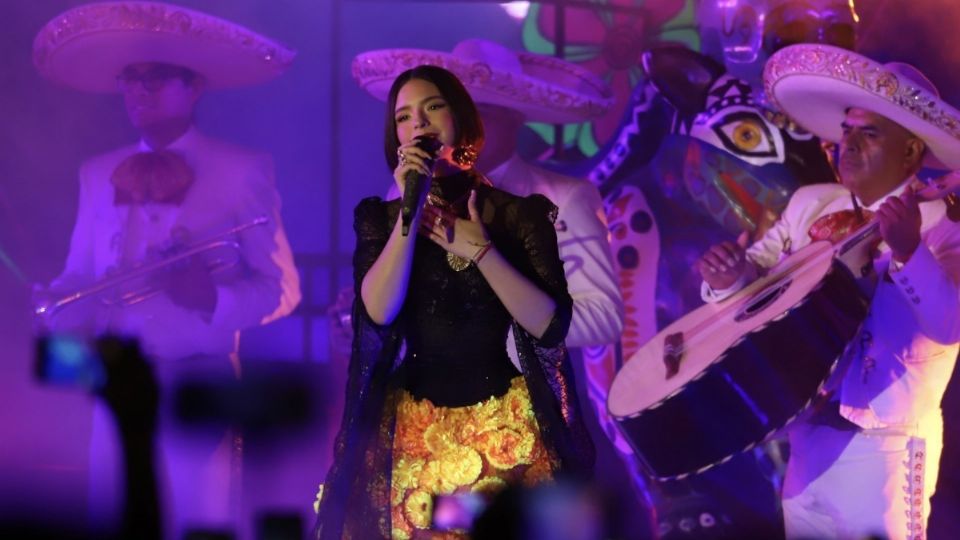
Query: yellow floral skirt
(451, 450)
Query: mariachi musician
(864, 462)
(174, 186)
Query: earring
(465, 155)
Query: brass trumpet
(46, 309)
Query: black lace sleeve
(372, 230)
(357, 484)
(536, 231)
(371, 223)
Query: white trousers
(856, 484)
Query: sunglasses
(154, 78)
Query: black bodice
(454, 326)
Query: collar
(181, 143)
(897, 191)
(514, 169)
(931, 212)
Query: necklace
(455, 262)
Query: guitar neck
(867, 233)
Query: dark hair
(466, 119)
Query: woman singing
(453, 415)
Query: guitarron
(726, 376)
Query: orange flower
(460, 465)
(418, 509)
(517, 406)
(400, 529)
(505, 448)
(489, 486)
(406, 476)
(414, 413)
(437, 438)
(433, 481)
(413, 418)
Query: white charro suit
(232, 186)
(582, 239)
(877, 479)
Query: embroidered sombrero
(543, 88)
(816, 84)
(88, 46)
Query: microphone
(414, 183)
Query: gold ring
(439, 221)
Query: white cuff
(709, 295)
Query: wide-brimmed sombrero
(88, 46)
(816, 84)
(542, 88)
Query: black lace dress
(455, 329)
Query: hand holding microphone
(413, 174)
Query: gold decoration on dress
(457, 263)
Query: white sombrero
(816, 84)
(543, 88)
(88, 46)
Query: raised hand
(723, 264)
(900, 221)
(410, 157)
(462, 237)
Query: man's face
(876, 154)
(156, 93)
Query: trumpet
(46, 308)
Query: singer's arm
(539, 302)
(532, 308)
(384, 287)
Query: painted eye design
(746, 135)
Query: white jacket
(582, 239)
(232, 186)
(898, 376)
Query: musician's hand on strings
(723, 264)
(899, 219)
